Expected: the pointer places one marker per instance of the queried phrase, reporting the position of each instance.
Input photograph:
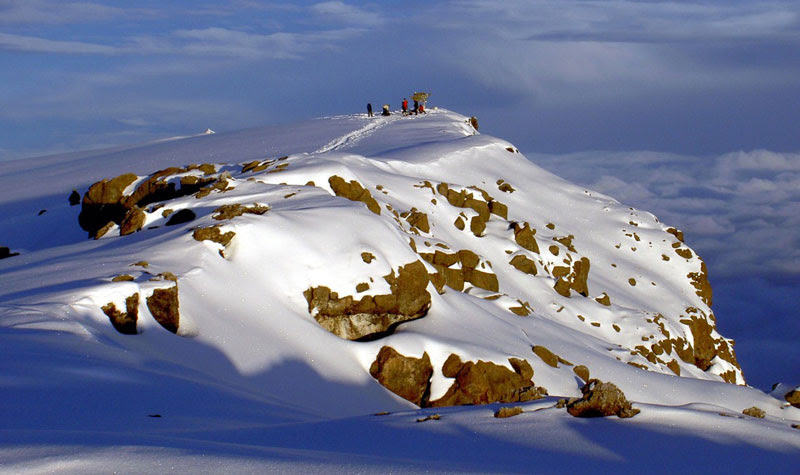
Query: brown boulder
(163, 305)
(484, 382)
(234, 210)
(124, 322)
(793, 397)
(405, 376)
(523, 264)
(524, 236)
(754, 411)
(504, 412)
(103, 202)
(599, 400)
(133, 221)
(353, 191)
(373, 316)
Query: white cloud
(336, 11)
(226, 42)
(616, 50)
(22, 12)
(739, 211)
(32, 44)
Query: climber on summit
(405, 106)
(385, 110)
(369, 109)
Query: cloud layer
(740, 211)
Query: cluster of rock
(123, 201)
(474, 382)
(600, 399)
(162, 304)
(109, 202)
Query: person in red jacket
(405, 106)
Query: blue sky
(708, 89)
(551, 76)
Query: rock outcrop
(793, 397)
(599, 400)
(106, 201)
(373, 316)
(405, 376)
(484, 382)
(124, 322)
(163, 305)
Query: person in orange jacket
(405, 106)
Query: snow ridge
(193, 323)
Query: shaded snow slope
(514, 257)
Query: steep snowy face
(415, 233)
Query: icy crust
(516, 258)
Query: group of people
(418, 108)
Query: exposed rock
(103, 202)
(604, 300)
(793, 397)
(548, 356)
(480, 279)
(367, 257)
(106, 202)
(504, 412)
(353, 191)
(678, 234)
(123, 278)
(432, 417)
(674, 367)
(477, 225)
(373, 316)
(133, 221)
(505, 187)
(704, 345)
(6, 252)
(754, 412)
(418, 220)
(699, 281)
(599, 400)
(124, 322)
(163, 305)
(234, 210)
(582, 372)
(473, 121)
(74, 198)
(405, 376)
(484, 382)
(523, 264)
(498, 208)
(522, 367)
(452, 365)
(184, 215)
(212, 233)
(524, 236)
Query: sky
(688, 109)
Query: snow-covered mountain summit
(311, 271)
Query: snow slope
(251, 381)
